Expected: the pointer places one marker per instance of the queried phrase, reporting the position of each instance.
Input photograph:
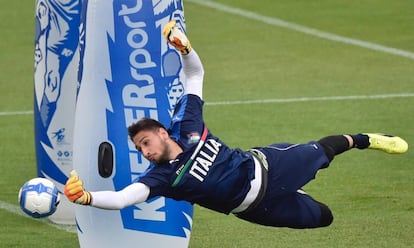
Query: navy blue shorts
(291, 166)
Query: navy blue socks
(361, 141)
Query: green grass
(370, 193)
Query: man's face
(153, 145)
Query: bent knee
(326, 215)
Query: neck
(175, 149)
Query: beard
(164, 155)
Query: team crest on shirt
(193, 137)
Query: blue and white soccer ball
(39, 197)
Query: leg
(291, 166)
(294, 210)
(338, 144)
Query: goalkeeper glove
(75, 192)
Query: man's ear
(163, 133)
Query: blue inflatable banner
(127, 72)
(55, 88)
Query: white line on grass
(17, 113)
(303, 29)
(16, 210)
(277, 100)
(312, 99)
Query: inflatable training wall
(127, 71)
(56, 60)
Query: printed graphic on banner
(144, 83)
(56, 41)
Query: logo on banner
(145, 82)
(56, 41)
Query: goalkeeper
(261, 185)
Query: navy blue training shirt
(207, 172)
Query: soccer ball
(39, 197)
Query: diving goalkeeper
(262, 185)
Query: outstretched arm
(192, 66)
(194, 74)
(133, 194)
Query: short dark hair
(144, 124)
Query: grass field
(281, 82)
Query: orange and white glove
(74, 190)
